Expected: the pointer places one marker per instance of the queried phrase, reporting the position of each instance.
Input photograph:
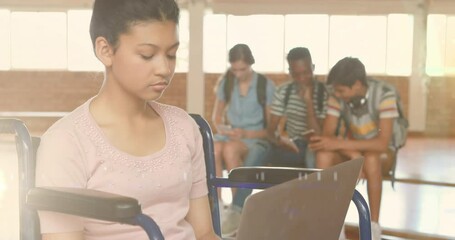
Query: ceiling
(244, 7)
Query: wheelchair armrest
(85, 203)
(270, 175)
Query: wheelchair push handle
(12, 126)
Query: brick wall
(441, 107)
(64, 91)
(61, 92)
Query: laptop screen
(313, 207)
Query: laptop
(313, 207)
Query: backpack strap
(375, 99)
(261, 90)
(400, 107)
(343, 118)
(320, 96)
(228, 86)
(287, 95)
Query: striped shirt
(296, 110)
(363, 122)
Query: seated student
(369, 126)
(123, 141)
(240, 115)
(302, 101)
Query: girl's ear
(104, 51)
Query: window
(383, 43)
(363, 37)
(214, 48)
(60, 40)
(309, 31)
(399, 44)
(440, 45)
(450, 46)
(80, 50)
(38, 40)
(5, 57)
(263, 34)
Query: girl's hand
(287, 143)
(306, 93)
(223, 129)
(236, 134)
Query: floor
(423, 209)
(422, 203)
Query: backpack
(400, 124)
(261, 89)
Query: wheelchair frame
(32, 199)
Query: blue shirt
(245, 111)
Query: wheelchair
(121, 209)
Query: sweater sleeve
(199, 187)
(60, 163)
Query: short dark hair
(346, 72)
(110, 18)
(299, 53)
(241, 52)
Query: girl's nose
(163, 66)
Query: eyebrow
(238, 69)
(155, 46)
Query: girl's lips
(160, 83)
(159, 86)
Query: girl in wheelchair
(122, 140)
